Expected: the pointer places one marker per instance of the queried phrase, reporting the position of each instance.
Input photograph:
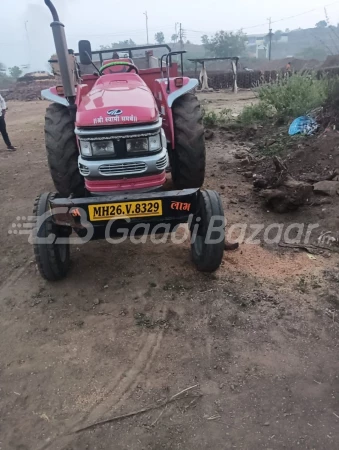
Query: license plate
(108, 211)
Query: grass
(279, 143)
(212, 119)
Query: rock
(322, 201)
(241, 154)
(248, 174)
(326, 188)
(288, 197)
(260, 183)
(96, 301)
(231, 246)
(209, 134)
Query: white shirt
(2, 105)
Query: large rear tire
(53, 260)
(62, 151)
(208, 232)
(188, 158)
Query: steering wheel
(119, 63)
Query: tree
(159, 37)
(321, 24)
(174, 38)
(277, 35)
(205, 39)
(120, 44)
(5, 80)
(313, 53)
(224, 44)
(15, 72)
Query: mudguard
(165, 101)
(52, 96)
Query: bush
(333, 92)
(255, 113)
(212, 119)
(295, 96)
(292, 97)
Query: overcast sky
(107, 21)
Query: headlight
(86, 148)
(102, 148)
(152, 144)
(97, 148)
(163, 139)
(137, 145)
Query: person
(288, 69)
(3, 130)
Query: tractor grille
(162, 163)
(122, 168)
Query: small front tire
(208, 232)
(53, 260)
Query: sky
(26, 37)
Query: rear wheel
(62, 151)
(188, 157)
(53, 260)
(208, 232)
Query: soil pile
(28, 90)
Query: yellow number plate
(108, 211)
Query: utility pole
(29, 44)
(176, 30)
(270, 34)
(181, 36)
(145, 14)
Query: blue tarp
(303, 125)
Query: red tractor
(112, 132)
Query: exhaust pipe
(58, 29)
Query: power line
(128, 32)
(274, 21)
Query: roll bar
(127, 49)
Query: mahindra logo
(114, 112)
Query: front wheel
(52, 258)
(208, 232)
(188, 157)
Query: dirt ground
(217, 101)
(133, 325)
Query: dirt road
(133, 325)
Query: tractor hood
(116, 100)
